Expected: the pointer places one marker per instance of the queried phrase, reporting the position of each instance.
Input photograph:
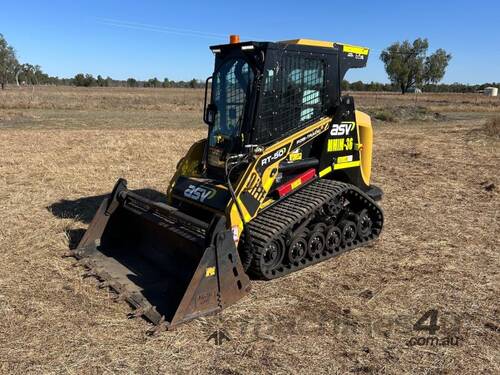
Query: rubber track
(294, 209)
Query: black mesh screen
(293, 97)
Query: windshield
(230, 88)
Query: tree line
(441, 87)
(88, 80)
(408, 66)
(14, 72)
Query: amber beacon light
(234, 39)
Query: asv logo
(199, 193)
(342, 129)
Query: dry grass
(100, 108)
(99, 98)
(355, 313)
(433, 102)
(492, 127)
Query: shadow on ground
(83, 210)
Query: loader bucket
(168, 265)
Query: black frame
(229, 52)
(263, 55)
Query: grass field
(436, 158)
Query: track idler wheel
(364, 224)
(334, 206)
(316, 242)
(333, 238)
(273, 255)
(349, 230)
(297, 249)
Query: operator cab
(262, 92)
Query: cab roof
(343, 47)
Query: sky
(170, 39)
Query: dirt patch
(405, 114)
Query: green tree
(408, 65)
(8, 62)
(165, 83)
(89, 80)
(86, 80)
(357, 86)
(193, 83)
(100, 81)
(38, 74)
(131, 82)
(153, 82)
(435, 66)
(27, 73)
(79, 80)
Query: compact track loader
(281, 182)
